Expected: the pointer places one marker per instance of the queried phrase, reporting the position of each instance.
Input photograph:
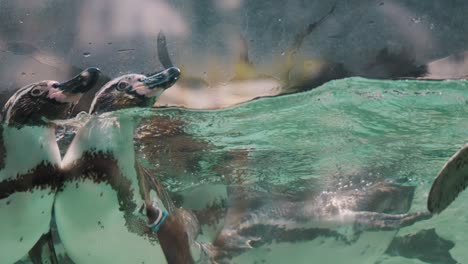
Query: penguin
(259, 218)
(38, 102)
(30, 161)
(107, 210)
(133, 90)
(261, 222)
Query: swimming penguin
(47, 100)
(30, 161)
(118, 207)
(261, 223)
(133, 90)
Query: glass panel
(232, 131)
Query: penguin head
(133, 90)
(38, 102)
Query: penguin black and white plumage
(263, 225)
(133, 90)
(30, 161)
(100, 209)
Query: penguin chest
(98, 217)
(29, 175)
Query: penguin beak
(163, 79)
(81, 83)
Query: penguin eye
(36, 92)
(121, 86)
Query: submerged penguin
(104, 180)
(262, 223)
(30, 161)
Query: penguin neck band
(158, 222)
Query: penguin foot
(382, 221)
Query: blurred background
(276, 46)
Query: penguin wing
(153, 183)
(451, 180)
(163, 53)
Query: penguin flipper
(163, 53)
(450, 181)
(169, 227)
(43, 249)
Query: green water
(408, 128)
(401, 131)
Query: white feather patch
(26, 148)
(60, 96)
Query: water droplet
(416, 20)
(86, 54)
(283, 53)
(21, 21)
(279, 20)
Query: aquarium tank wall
(233, 131)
